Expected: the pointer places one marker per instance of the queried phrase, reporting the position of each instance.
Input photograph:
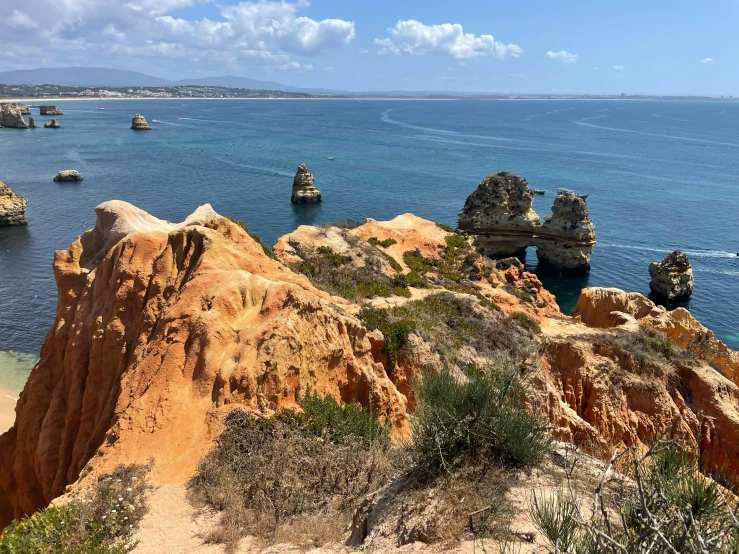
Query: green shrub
(526, 321)
(387, 243)
(446, 228)
(415, 280)
(336, 259)
(395, 331)
(392, 261)
(518, 293)
(482, 415)
(417, 262)
(102, 522)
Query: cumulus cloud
(707, 60)
(563, 56)
(413, 38)
(99, 32)
(618, 67)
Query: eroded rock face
(672, 278)
(161, 330)
(68, 175)
(139, 123)
(303, 190)
(31, 123)
(11, 115)
(53, 124)
(566, 239)
(499, 213)
(49, 110)
(12, 207)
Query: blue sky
(432, 45)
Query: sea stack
(68, 176)
(139, 123)
(53, 124)
(11, 116)
(49, 110)
(303, 190)
(12, 207)
(31, 123)
(566, 239)
(499, 212)
(672, 278)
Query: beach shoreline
(8, 400)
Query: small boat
(101, 108)
(330, 158)
(538, 191)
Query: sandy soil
(7, 409)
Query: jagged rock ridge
(303, 190)
(12, 207)
(672, 278)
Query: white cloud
(563, 56)
(364, 51)
(416, 39)
(707, 60)
(619, 67)
(595, 68)
(146, 34)
(515, 75)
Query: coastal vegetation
(102, 521)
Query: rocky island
(672, 278)
(139, 123)
(499, 215)
(11, 115)
(49, 110)
(53, 124)
(12, 207)
(68, 175)
(31, 123)
(303, 190)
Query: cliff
(49, 110)
(163, 328)
(11, 115)
(672, 278)
(139, 123)
(12, 207)
(304, 192)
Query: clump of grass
(417, 262)
(392, 261)
(101, 522)
(527, 322)
(267, 250)
(387, 243)
(480, 416)
(292, 475)
(337, 260)
(444, 227)
(518, 293)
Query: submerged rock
(49, 110)
(303, 190)
(12, 207)
(31, 123)
(499, 212)
(68, 175)
(139, 123)
(53, 124)
(672, 278)
(565, 241)
(11, 116)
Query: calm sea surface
(660, 175)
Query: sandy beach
(7, 409)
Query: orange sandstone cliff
(163, 328)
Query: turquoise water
(660, 175)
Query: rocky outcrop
(139, 123)
(500, 216)
(53, 124)
(68, 175)
(12, 207)
(672, 278)
(566, 239)
(11, 116)
(22, 108)
(162, 329)
(303, 190)
(49, 110)
(31, 123)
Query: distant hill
(102, 77)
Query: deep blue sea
(661, 175)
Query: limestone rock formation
(162, 329)
(11, 115)
(67, 175)
(53, 124)
(139, 123)
(49, 110)
(12, 207)
(499, 213)
(672, 278)
(31, 123)
(566, 239)
(303, 190)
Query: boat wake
(584, 123)
(166, 123)
(658, 116)
(693, 253)
(532, 116)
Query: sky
(536, 46)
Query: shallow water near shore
(660, 176)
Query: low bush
(267, 250)
(100, 522)
(337, 260)
(480, 416)
(527, 322)
(292, 475)
(446, 228)
(387, 243)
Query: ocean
(660, 175)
